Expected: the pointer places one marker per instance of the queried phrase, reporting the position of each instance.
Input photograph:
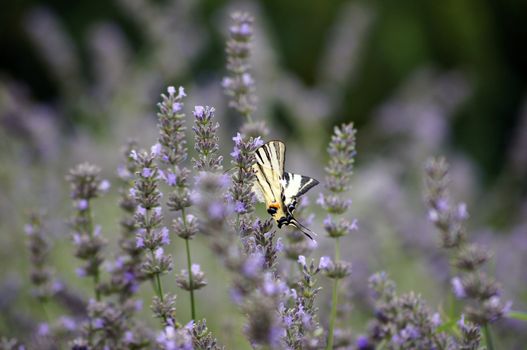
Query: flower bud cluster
(206, 140)
(402, 322)
(482, 294)
(202, 338)
(175, 338)
(148, 216)
(334, 270)
(239, 85)
(171, 148)
(256, 289)
(299, 315)
(85, 185)
(241, 193)
(196, 282)
(341, 152)
(110, 326)
(38, 245)
(125, 270)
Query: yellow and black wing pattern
(279, 190)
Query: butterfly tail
(302, 228)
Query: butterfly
(278, 189)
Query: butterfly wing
(272, 155)
(278, 189)
(269, 168)
(294, 186)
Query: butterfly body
(279, 190)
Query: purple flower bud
(171, 90)
(159, 253)
(181, 93)
(462, 212)
(98, 323)
(134, 155)
(140, 210)
(237, 139)
(196, 269)
(177, 107)
(325, 263)
(239, 207)
(82, 204)
(139, 242)
(43, 329)
(302, 260)
(165, 239)
(198, 111)
(104, 186)
(68, 323)
(156, 149)
(436, 319)
(146, 172)
(457, 286)
(279, 245)
(362, 343)
(258, 142)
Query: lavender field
(129, 149)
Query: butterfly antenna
(303, 229)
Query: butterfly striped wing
(294, 186)
(269, 168)
(278, 189)
(272, 155)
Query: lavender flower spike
(206, 140)
(239, 85)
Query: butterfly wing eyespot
(271, 210)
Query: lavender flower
(173, 338)
(483, 304)
(125, 270)
(300, 316)
(239, 85)
(197, 281)
(403, 321)
(341, 151)
(241, 192)
(41, 272)
(172, 127)
(206, 140)
(85, 185)
(202, 338)
(150, 236)
(256, 290)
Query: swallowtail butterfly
(278, 189)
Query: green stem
(333, 314)
(334, 300)
(89, 228)
(488, 337)
(189, 265)
(159, 287)
(43, 303)
(190, 282)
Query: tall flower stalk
(86, 185)
(151, 237)
(173, 154)
(482, 293)
(239, 83)
(41, 273)
(339, 170)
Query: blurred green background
(418, 78)
(485, 39)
